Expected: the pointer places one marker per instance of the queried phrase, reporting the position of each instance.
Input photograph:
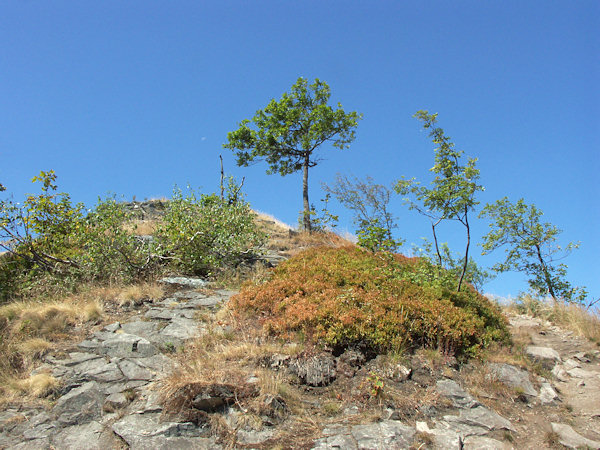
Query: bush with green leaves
(448, 273)
(374, 237)
(202, 233)
(48, 241)
(111, 251)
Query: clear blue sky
(133, 97)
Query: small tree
(530, 247)
(452, 195)
(287, 133)
(369, 202)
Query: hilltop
(180, 361)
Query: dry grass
(569, 316)
(142, 227)
(36, 386)
(31, 329)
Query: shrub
(345, 297)
(202, 233)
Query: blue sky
(134, 97)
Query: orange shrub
(351, 297)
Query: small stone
(580, 373)
(422, 427)
(114, 402)
(452, 390)
(112, 327)
(547, 394)
(571, 364)
(581, 357)
(560, 373)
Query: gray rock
(107, 373)
(484, 443)
(128, 346)
(571, 439)
(80, 405)
(77, 358)
(446, 439)
(383, 435)
(41, 431)
(477, 421)
(168, 314)
(80, 436)
(112, 327)
(115, 388)
(192, 283)
(338, 441)
(513, 377)
(571, 364)
(254, 437)
(142, 328)
(581, 356)
(115, 402)
(560, 373)
(544, 355)
(180, 329)
(138, 429)
(452, 390)
(35, 444)
(316, 370)
(133, 371)
(581, 373)
(547, 394)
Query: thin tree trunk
(464, 270)
(222, 178)
(437, 248)
(546, 273)
(306, 218)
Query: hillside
(183, 362)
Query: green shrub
(200, 234)
(345, 297)
(109, 251)
(52, 244)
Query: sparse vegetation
(567, 315)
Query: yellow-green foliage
(347, 296)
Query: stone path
(109, 398)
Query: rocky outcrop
(109, 382)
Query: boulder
(571, 439)
(452, 390)
(383, 435)
(514, 377)
(315, 370)
(546, 356)
(80, 405)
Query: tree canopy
(287, 132)
(453, 189)
(530, 247)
